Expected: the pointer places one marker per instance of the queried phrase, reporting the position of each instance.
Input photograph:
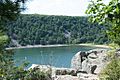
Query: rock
(53, 70)
(88, 67)
(44, 68)
(83, 76)
(88, 62)
(64, 71)
(118, 53)
(66, 77)
(98, 69)
(73, 73)
(93, 56)
(96, 51)
(76, 62)
(93, 68)
(85, 66)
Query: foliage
(114, 46)
(3, 40)
(33, 29)
(9, 10)
(37, 74)
(112, 71)
(111, 54)
(107, 13)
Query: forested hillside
(33, 29)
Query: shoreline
(57, 45)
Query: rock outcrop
(76, 62)
(54, 71)
(84, 66)
(44, 68)
(66, 77)
(91, 63)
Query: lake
(54, 56)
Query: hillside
(33, 29)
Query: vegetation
(33, 29)
(108, 13)
(112, 71)
(37, 74)
(9, 10)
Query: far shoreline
(57, 45)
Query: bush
(112, 71)
(37, 74)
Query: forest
(35, 29)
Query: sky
(57, 7)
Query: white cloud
(57, 7)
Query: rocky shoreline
(84, 66)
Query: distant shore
(57, 45)
(95, 45)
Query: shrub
(37, 74)
(112, 71)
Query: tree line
(34, 29)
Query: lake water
(55, 56)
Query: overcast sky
(57, 7)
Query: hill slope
(33, 29)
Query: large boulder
(85, 66)
(89, 62)
(76, 62)
(43, 68)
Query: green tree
(107, 13)
(9, 9)
(32, 29)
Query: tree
(9, 9)
(32, 29)
(106, 13)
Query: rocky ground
(84, 66)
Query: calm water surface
(55, 56)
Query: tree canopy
(9, 9)
(34, 29)
(106, 13)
